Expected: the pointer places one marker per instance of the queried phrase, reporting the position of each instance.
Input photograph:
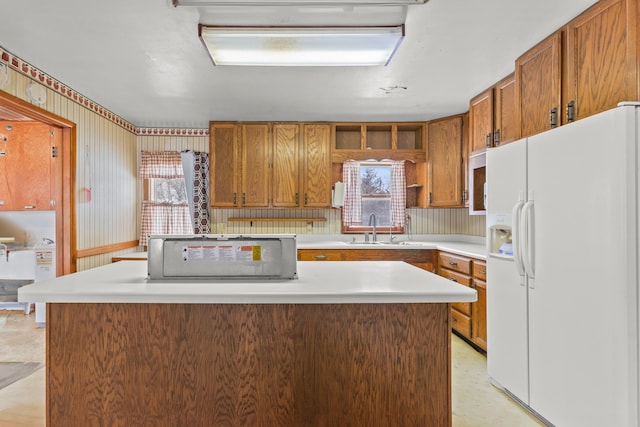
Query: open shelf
(252, 220)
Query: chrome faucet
(372, 219)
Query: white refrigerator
(562, 311)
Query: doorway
(62, 179)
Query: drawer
(320, 255)
(462, 307)
(454, 262)
(480, 270)
(461, 323)
(463, 279)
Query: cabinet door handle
(473, 286)
(320, 256)
(488, 140)
(453, 263)
(244, 199)
(306, 198)
(297, 198)
(553, 117)
(496, 138)
(571, 111)
(235, 199)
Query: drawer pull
(320, 256)
(484, 272)
(29, 207)
(453, 263)
(453, 279)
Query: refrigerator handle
(516, 240)
(527, 231)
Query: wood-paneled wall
(106, 163)
(423, 221)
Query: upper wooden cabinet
(505, 121)
(286, 165)
(445, 162)
(257, 165)
(224, 163)
(255, 182)
(538, 90)
(492, 118)
(28, 160)
(586, 67)
(362, 141)
(316, 165)
(481, 121)
(602, 58)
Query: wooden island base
(268, 365)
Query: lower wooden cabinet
(469, 320)
(423, 258)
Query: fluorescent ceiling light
(209, 3)
(301, 46)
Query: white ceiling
(142, 59)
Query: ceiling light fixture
(301, 46)
(210, 3)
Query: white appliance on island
(562, 310)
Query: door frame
(63, 190)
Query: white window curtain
(398, 193)
(352, 209)
(163, 218)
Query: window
(374, 189)
(165, 209)
(166, 190)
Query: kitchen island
(346, 344)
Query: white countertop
(318, 283)
(468, 246)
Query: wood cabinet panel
(26, 165)
(538, 86)
(506, 127)
(467, 319)
(224, 140)
(461, 323)
(286, 365)
(601, 57)
(316, 158)
(286, 165)
(479, 270)
(321, 255)
(481, 121)
(445, 159)
(479, 318)
(422, 258)
(256, 179)
(455, 262)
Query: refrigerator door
(507, 358)
(582, 302)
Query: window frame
(361, 229)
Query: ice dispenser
(500, 240)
